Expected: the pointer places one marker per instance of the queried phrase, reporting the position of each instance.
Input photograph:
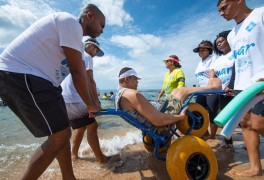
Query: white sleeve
(88, 60)
(70, 31)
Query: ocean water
(17, 144)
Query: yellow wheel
(201, 121)
(189, 157)
(149, 140)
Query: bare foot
(247, 173)
(110, 159)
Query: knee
(179, 93)
(258, 127)
(92, 126)
(245, 123)
(60, 138)
(80, 130)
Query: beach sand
(137, 163)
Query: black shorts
(258, 109)
(37, 103)
(82, 121)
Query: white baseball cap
(88, 40)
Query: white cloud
(113, 11)
(17, 15)
(146, 51)
(139, 44)
(109, 66)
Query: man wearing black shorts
(31, 70)
(246, 42)
(76, 108)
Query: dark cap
(203, 44)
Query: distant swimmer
(105, 96)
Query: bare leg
(65, 162)
(76, 142)
(252, 142)
(46, 153)
(213, 128)
(93, 140)
(258, 123)
(184, 92)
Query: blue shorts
(37, 103)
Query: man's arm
(89, 76)
(79, 78)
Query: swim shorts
(174, 105)
(37, 103)
(78, 115)
(258, 109)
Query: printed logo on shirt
(231, 57)
(224, 71)
(63, 71)
(243, 64)
(64, 68)
(243, 50)
(201, 74)
(251, 26)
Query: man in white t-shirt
(247, 43)
(76, 108)
(31, 70)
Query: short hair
(219, 1)
(175, 63)
(90, 7)
(223, 34)
(123, 70)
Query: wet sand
(137, 163)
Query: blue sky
(138, 33)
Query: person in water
(31, 70)
(76, 108)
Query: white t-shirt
(69, 92)
(202, 70)
(223, 68)
(38, 50)
(247, 44)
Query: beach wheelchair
(188, 157)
